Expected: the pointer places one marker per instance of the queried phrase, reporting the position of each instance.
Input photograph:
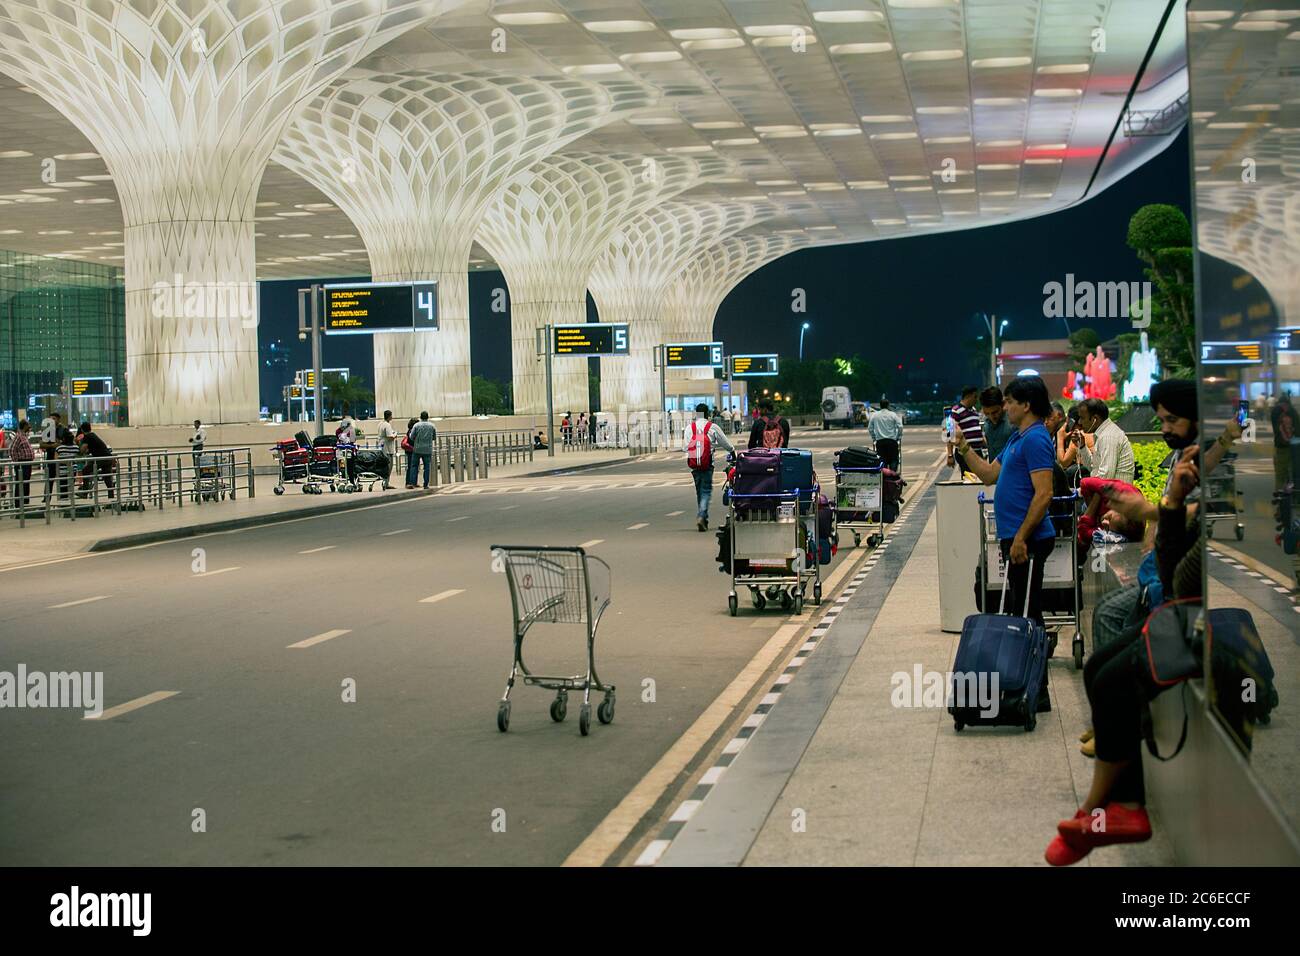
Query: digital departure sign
(693, 355)
(749, 366)
(591, 338)
(90, 387)
(1231, 353)
(368, 307)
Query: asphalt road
(257, 735)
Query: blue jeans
(703, 490)
(413, 462)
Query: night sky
(890, 302)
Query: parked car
(837, 407)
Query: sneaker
(701, 524)
(1086, 736)
(1089, 748)
(1060, 853)
(1122, 826)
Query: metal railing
(136, 480)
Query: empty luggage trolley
(551, 585)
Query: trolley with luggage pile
(1220, 499)
(868, 494)
(779, 530)
(556, 585)
(1061, 596)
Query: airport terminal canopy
(859, 121)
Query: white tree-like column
(694, 294)
(547, 230)
(185, 99)
(1257, 228)
(415, 161)
(632, 277)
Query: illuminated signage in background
(1231, 353)
(97, 386)
(743, 366)
(1287, 340)
(693, 355)
(308, 376)
(591, 338)
(368, 307)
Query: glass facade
(60, 319)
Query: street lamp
(994, 331)
(801, 332)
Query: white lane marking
(653, 851)
(208, 574)
(318, 550)
(442, 595)
(674, 514)
(136, 704)
(327, 636)
(389, 534)
(592, 543)
(55, 607)
(685, 811)
(508, 508)
(461, 518)
(638, 527)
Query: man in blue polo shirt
(1023, 474)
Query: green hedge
(1148, 455)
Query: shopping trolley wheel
(278, 489)
(786, 601)
(732, 604)
(873, 540)
(584, 720)
(503, 715)
(1241, 532)
(756, 596)
(817, 593)
(1209, 529)
(798, 604)
(957, 725)
(559, 709)
(857, 540)
(1077, 647)
(605, 712)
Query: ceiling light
(703, 33)
(290, 215)
(737, 141)
(1060, 69)
(839, 131)
(1000, 101)
(620, 26)
(954, 192)
(784, 31)
(1203, 16)
(295, 235)
(529, 18)
(786, 40)
(996, 62)
(821, 228)
(55, 232)
(1058, 93)
(97, 178)
(593, 69)
(908, 179)
(791, 192)
(893, 136)
(942, 110)
(887, 118)
(889, 222)
(868, 184)
(651, 56)
(851, 49)
(849, 16)
(311, 205)
(10, 232)
(1260, 26)
(73, 157)
(92, 202)
(42, 190)
(266, 203)
(946, 140)
(996, 167)
(1001, 192)
(931, 56)
(654, 120)
(1044, 161)
(998, 143)
(913, 189)
(14, 154)
(1042, 146)
(718, 44)
(1271, 15)
(823, 187)
(786, 134)
(690, 149)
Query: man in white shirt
(886, 430)
(197, 441)
(736, 419)
(700, 433)
(388, 442)
(346, 433)
(1112, 454)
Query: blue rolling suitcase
(797, 472)
(1012, 648)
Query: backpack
(699, 450)
(772, 434)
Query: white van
(837, 407)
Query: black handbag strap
(1149, 733)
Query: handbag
(1172, 648)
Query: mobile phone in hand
(1243, 412)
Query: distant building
(1047, 358)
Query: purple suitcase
(758, 472)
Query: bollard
(485, 466)
(460, 464)
(445, 456)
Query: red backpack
(699, 450)
(772, 434)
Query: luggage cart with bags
(292, 459)
(1221, 499)
(1061, 596)
(210, 476)
(771, 537)
(859, 494)
(323, 467)
(556, 585)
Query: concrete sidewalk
(842, 776)
(63, 536)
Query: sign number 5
(620, 340)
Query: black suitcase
(303, 439)
(857, 456)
